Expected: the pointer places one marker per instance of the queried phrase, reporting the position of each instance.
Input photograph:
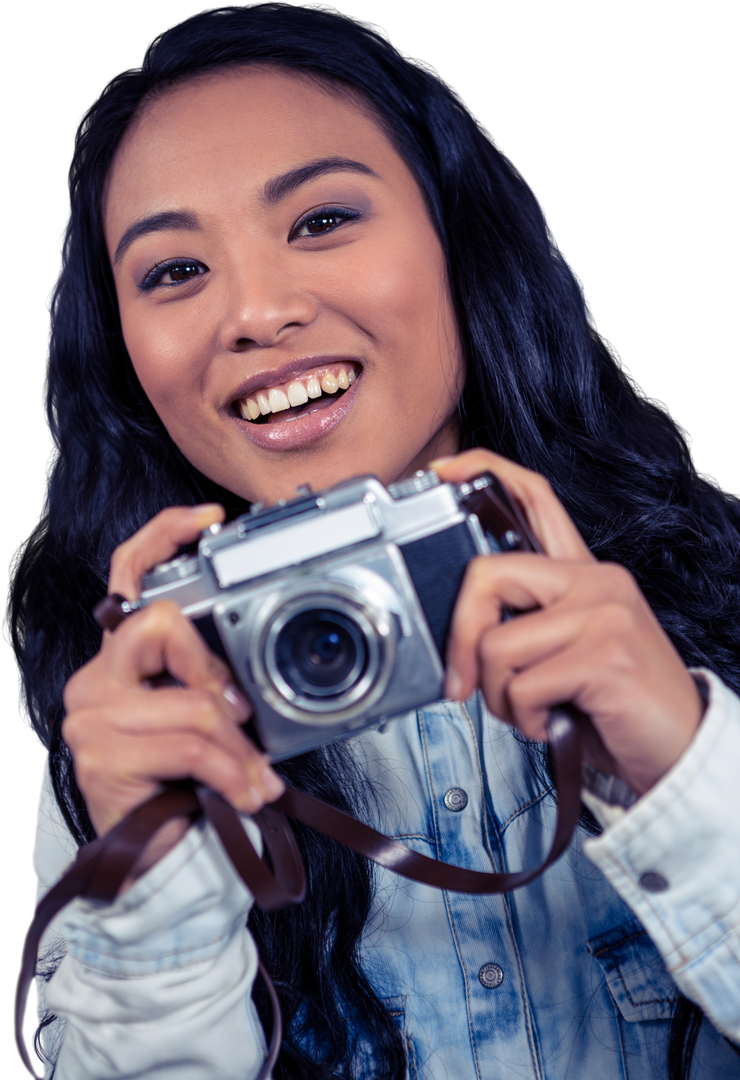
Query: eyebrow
(272, 193)
(277, 189)
(170, 219)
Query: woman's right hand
(127, 737)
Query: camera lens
(321, 653)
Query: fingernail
(453, 685)
(203, 508)
(441, 461)
(272, 785)
(238, 702)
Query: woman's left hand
(587, 636)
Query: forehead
(235, 129)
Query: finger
(514, 646)
(491, 583)
(146, 715)
(545, 513)
(203, 741)
(531, 694)
(157, 639)
(596, 644)
(160, 638)
(246, 783)
(159, 540)
(644, 714)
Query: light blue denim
(584, 995)
(158, 984)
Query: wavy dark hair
(542, 389)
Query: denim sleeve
(158, 984)
(674, 857)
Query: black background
(619, 122)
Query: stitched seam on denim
(622, 1047)
(484, 808)
(609, 948)
(531, 1039)
(487, 817)
(458, 950)
(636, 1004)
(413, 836)
(411, 1059)
(430, 786)
(618, 944)
(180, 958)
(725, 942)
(651, 907)
(492, 833)
(450, 916)
(532, 802)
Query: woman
(294, 258)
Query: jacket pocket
(635, 973)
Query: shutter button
(651, 881)
(491, 976)
(456, 799)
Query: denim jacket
(573, 976)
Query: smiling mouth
(288, 401)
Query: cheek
(418, 309)
(165, 361)
(399, 296)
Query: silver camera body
(333, 609)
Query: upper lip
(293, 369)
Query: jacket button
(491, 976)
(456, 799)
(651, 881)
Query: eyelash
(326, 212)
(153, 276)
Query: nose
(265, 301)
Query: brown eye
(172, 273)
(318, 225)
(184, 271)
(323, 221)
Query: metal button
(491, 976)
(651, 881)
(456, 799)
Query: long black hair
(542, 389)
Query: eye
(172, 272)
(321, 222)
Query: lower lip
(305, 429)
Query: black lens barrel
(321, 653)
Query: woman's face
(283, 293)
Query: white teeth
(297, 394)
(278, 400)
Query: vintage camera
(333, 609)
